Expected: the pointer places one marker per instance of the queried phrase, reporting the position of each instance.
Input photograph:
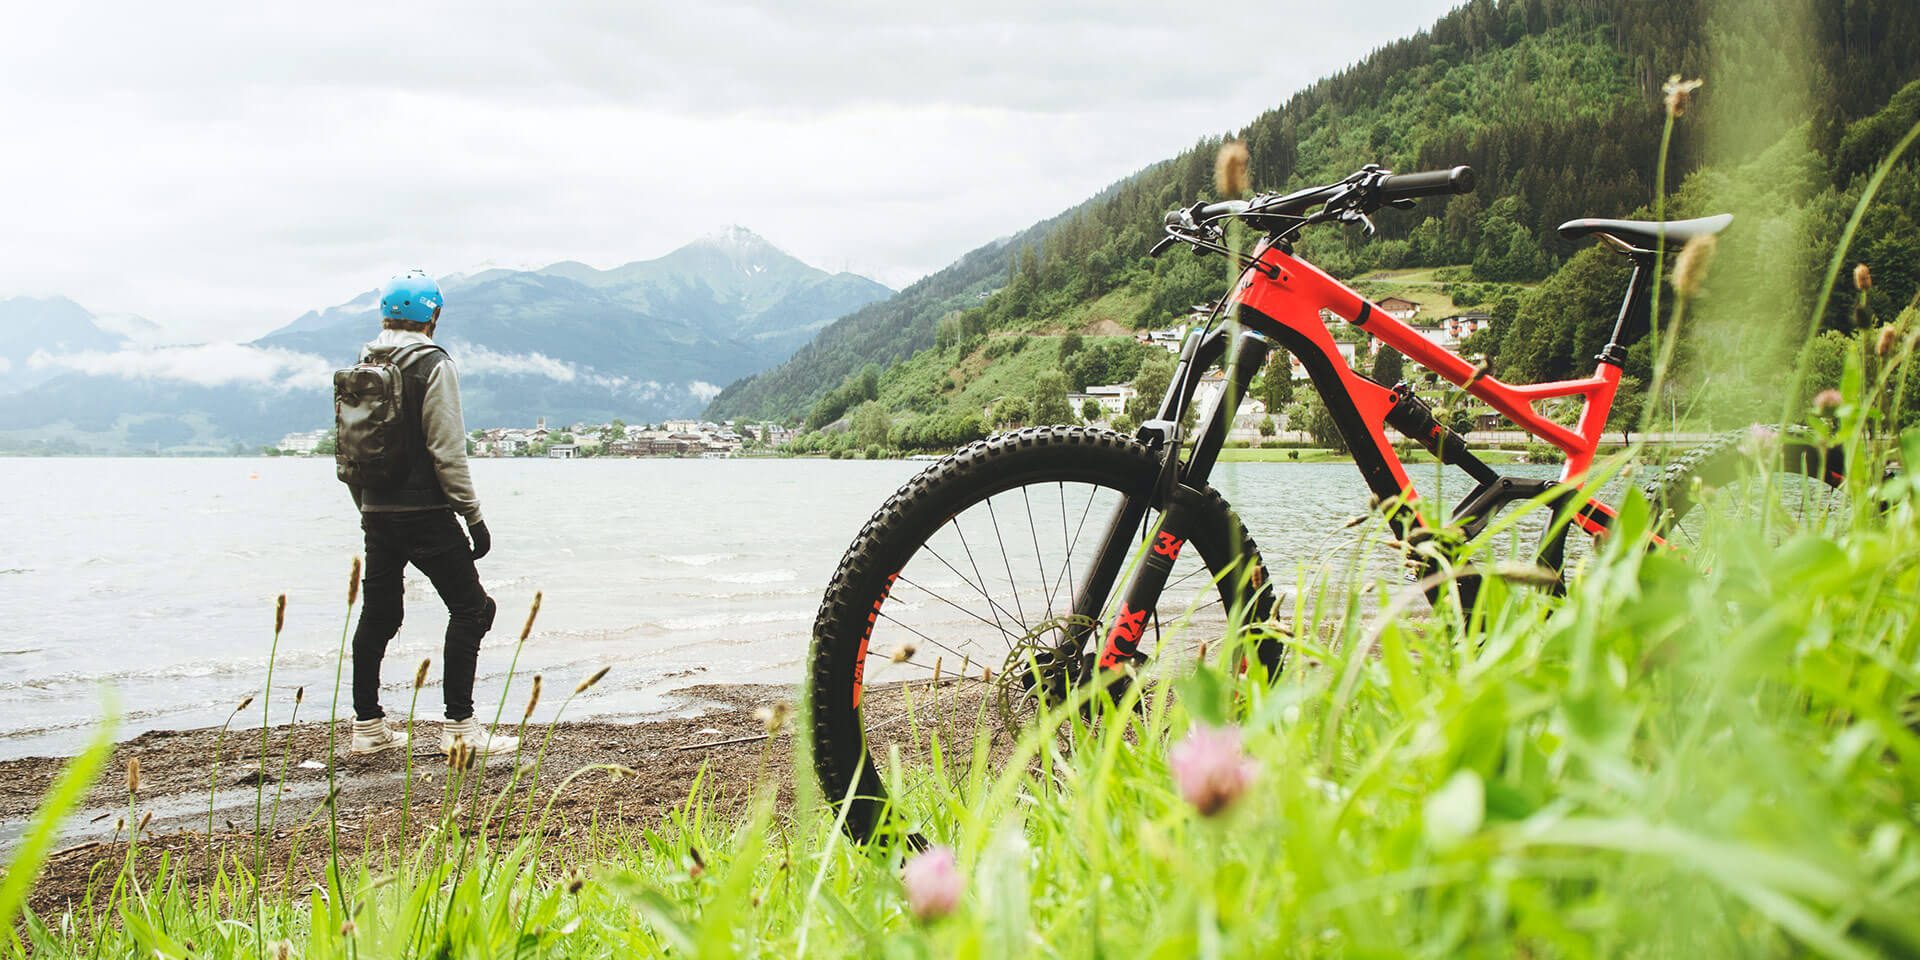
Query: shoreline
(714, 736)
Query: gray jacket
(444, 430)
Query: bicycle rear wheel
(973, 568)
(1756, 481)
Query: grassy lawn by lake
(1326, 455)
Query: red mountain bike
(1000, 567)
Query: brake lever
(1356, 215)
(1161, 247)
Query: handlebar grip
(1221, 209)
(1430, 183)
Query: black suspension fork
(1121, 641)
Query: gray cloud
(221, 168)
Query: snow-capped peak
(735, 239)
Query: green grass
(1673, 759)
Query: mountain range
(647, 340)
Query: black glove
(482, 541)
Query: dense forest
(1557, 104)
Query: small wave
(699, 559)
(211, 668)
(15, 570)
(767, 593)
(757, 576)
(709, 621)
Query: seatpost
(1634, 310)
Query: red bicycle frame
(1281, 297)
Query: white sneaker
(374, 736)
(476, 737)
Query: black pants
(432, 541)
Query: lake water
(152, 581)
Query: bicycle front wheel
(970, 573)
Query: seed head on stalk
(533, 612)
(1690, 267)
(1862, 278)
(773, 718)
(1230, 169)
(133, 775)
(279, 614)
(533, 700)
(1680, 94)
(420, 675)
(353, 582)
(588, 683)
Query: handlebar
(1351, 199)
(1431, 183)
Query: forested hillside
(1791, 202)
(1557, 104)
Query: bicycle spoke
(1073, 585)
(950, 603)
(1039, 563)
(885, 616)
(995, 608)
(1073, 589)
(1008, 563)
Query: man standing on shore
(419, 451)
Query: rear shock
(1414, 419)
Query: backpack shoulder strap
(405, 355)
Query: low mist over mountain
(647, 340)
(30, 326)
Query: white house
(1300, 370)
(303, 443)
(1168, 340)
(1113, 398)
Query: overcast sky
(222, 168)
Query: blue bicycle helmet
(411, 296)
